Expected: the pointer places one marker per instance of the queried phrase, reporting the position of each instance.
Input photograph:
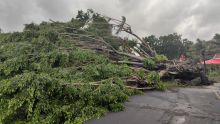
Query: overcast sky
(191, 18)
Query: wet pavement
(196, 105)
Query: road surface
(198, 105)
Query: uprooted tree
(147, 58)
(70, 72)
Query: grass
(167, 85)
(214, 75)
(214, 72)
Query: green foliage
(154, 80)
(104, 71)
(52, 36)
(168, 85)
(171, 45)
(100, 27)
(161, 86)
(153, 77)
(209, 47)
(39, 98)
(31, 26)
(45, 78)
(149, 63)
(213, 72)
(141, 74)
(160, 58)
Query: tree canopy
(171, 45)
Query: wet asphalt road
(198, 105)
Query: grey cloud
(56, 9)
(191, 18)
(12, 14)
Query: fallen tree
(58, 72)
(147, 59)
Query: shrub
(149, 63)
(153, 77)
(160, 58)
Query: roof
(213, 61)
